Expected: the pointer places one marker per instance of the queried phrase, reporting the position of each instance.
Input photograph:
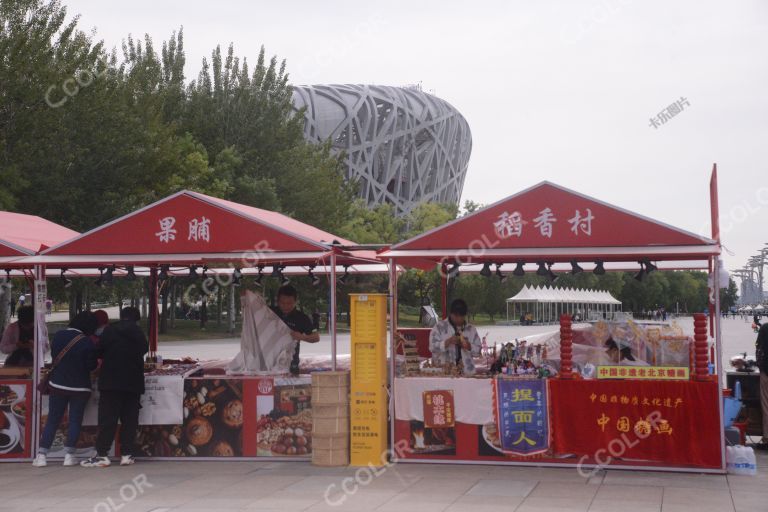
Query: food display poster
(368, 407)
(663, 421)
(161, 403)
(520, 408)
(439, 410)
(15, 419)
(278, 417)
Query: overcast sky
(558, 91)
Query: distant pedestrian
(74, 356)
(121, 383)
(13, 306)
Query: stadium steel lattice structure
(402, 145)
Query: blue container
(731, 409)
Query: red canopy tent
(189, 228)
(24, 235)
(549, 224)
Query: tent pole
(719, 353)
(38, 353)
(444, 290)
(392, 349)
(153, 312)
(333, 311)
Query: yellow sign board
(643, 372)
(368, 397)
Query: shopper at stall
(18, 338)
(302, 328)
(74, 356)
(761, 354)
(121, 384)
(102, 321)
(454, 340)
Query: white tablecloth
(473, 398)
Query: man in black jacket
(121, 384)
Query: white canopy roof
(563, 295)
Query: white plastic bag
(266, 345)
(740, 460)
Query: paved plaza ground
(293, 486)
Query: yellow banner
(368, 407)
(643, 372)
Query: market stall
(618, 393)
(20, 236)
(207, 409)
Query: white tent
(546, 303)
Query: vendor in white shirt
(455, 341)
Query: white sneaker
(40, 461)
(70, 460)
(127, 460)
(96, 462)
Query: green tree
(428, 216)
(729, 296)
(377, 225)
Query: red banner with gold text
(664, 421)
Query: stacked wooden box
(330, 418)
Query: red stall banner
(660, 421)
(439, 409)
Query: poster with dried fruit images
(284, 416)
(213, 423)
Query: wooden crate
(330, 441)
(330, 388)
(330, 458)
(330, 419)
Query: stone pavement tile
(258, 481)
(211, 481)
(359, 501)
(640, 493)
(696, 498)
(599, 505)
(571, 475)
(662, 479)
(437, 485)
(32, 502)
(215, 503)
(286, 500)
(745, 501)
(393, 480)
(560, 504)
(564, 490)
(316, 484)
(417, 502)
(677, 507)
(484, 503)
(745, 483)
(507, 488)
